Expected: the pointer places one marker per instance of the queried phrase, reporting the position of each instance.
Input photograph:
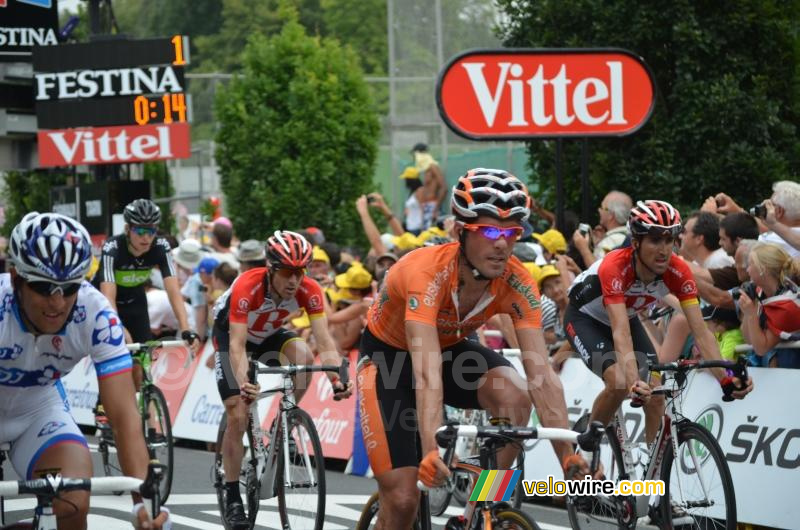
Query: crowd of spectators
(746, 264)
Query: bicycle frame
(266, 468)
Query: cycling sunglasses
(144, 230)
(49, 288)
(495, 232)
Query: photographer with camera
(613, 213)
(781, 214)
(770, 305)
(783, 228)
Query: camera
(759, 211)
(748, 288)
(202, 289)
(584, 229)
(370, 199)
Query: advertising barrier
(759, 435)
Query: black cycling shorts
(268, 352)
(135, 318)
(594, 341)
(387, 399)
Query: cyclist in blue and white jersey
(50, 318)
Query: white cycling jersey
(34, 412)
(28, 362)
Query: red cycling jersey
(248, 303)
(612, 280)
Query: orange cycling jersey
(423, 287)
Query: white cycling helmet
(491, 192)
(50, 247)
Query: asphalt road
(193, 501)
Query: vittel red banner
(524, 93)
(113, 145)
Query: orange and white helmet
(654, 218)
(491, 192)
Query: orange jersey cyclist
(601, 321)
(415, 354)
(249, 319)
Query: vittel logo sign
(520, 94)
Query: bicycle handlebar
(447, 435)
(736, 369)
(153, 344)
(52, 485)
(343, 370)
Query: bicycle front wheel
(158, 435)
(513, 519)
(301, 475)
(699, 489)
(587, 512)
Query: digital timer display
(112, 83)
(161, 109)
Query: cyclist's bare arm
(176, 301)
(328, 353)
(109, 290)
(709, 349)
(426, 359)
(236, 347)
(544, 386)
(119, 401)
(623, 342)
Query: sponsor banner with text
(113, 145)
(760, 436)
(525, 93)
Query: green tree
(297, 139)
(727, 103)
(27, 191)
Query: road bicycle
(698, 490)
(289, 464)
(485, 515)
(49, 488)
(460, 483)
(156, 423)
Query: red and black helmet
(652, 217)
(288, 250)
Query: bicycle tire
(439, 498)
(512, 519)
(462, 488)
(218, 471)
(690, 435)
(163, 451)
(369, 515)
(108, 455)
(298, 420)
(588, 512)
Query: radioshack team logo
(107, 329)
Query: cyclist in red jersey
(601, 319)
(249, 319)
(417, 355)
